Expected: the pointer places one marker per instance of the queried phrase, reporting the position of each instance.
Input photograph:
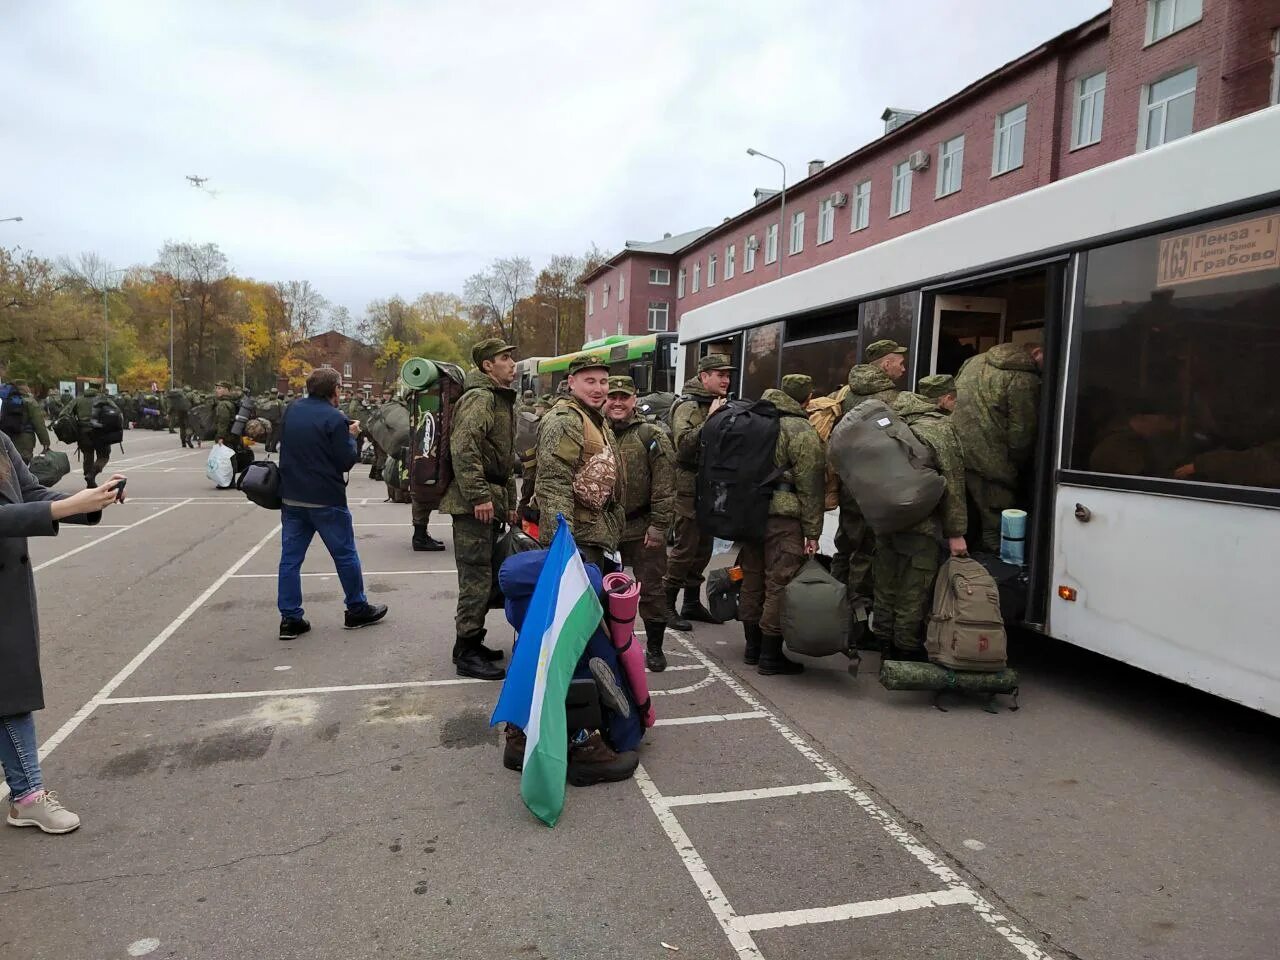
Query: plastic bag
(220, 467)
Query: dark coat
(24, 512)
(316, 449)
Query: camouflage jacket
(82, 407)
(561, 439)
(688, 414)
(224, 415)
(33, 414)
(935, 431)
(799, 455)
(482, 446)
(648, 463)
(866, 382)
(997, 404)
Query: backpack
(13, 418)
(179, 402)
(527, 438)
(431, 467)
(106, 423)
(965, 630)
(737, 473)
(66, 427)
(396, 476)
(201, 421)
(656, 408)
(391, 426)
(888, 469)
(724, 584)
(815, 612)
(824, 414)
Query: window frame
(604, 298)
(795, 233)
(658, 271)
(591, 303)
(730, 260)
(346, 370)
(1145, 108)
(1150, 33)
(697, 276)
(950, 161)
(712, 263)
(749, 254)
(622, 286)
(900, 174)
(1275, 66)
(826, 221)
(858, 196)
(1003, 128)
(771, 243)
(1097, 100)
(666, 316)
(680, 282)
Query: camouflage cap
(881, 349)
(586, 361)
(798, 386)
(19, 383)
(936, 386)
(224, 383)
(622, 385)
(715, 361)
(490, 348)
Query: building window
(591, 303)
(660, 277)
(1088, 123)
(749, 254)
(658, 310)
(1168, 109)
(680, 282)
(826, 220)
(797, 233)
(730, 260)
(697, 276)
(604, 299)
(950, 165)
(771, 243)
(1169, 16)
(1275, 67)
(1011, 131)
(900, 199)
(861, 206)
(711, 270)
(622, 285)
(346, 371)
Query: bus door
(730, 346)
(963, 327)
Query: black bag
(13, 419)
(1011, 582)
(736, 472)
(508, 544)
(66, 428)
(723, 586)
(50, 467)
(179, 402)
(260, 482)
(201, 421)
(106, 423)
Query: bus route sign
(1220, 252)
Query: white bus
(1153, 283)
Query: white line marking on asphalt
(149, 462)
(855, 911)
(683, 666)
(114, 533)
(367, 573)
(707, 718)
(763, 793)
(440, 524)
(283, 667)
(704, 682)
(299, 692)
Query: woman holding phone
(28, 509)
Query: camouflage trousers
(26, 445)
(95, 456)
(905, 568)
(853, 563)
(991, 498)
(181, 419)
(473, 552)
(649, 566)
(767, 568)
(689, 556)
(421, 514)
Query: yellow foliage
(142, 373)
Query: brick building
(354, 360)
(1141, 74)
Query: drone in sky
(197, 182)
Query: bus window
(762, 356)
(889, 318)
(827, 360)
(1178, 342)
(642, 374)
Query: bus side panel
(1183, 588)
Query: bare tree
(304, 307)
(196, 271)
(494, 293)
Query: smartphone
(120, 490)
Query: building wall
(333, 349)
(631, 314)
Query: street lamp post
(782, 211)
(106, 328)
(556, 348)
(10, 219)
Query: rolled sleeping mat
(418, 374)
(622, 602)
(1013, 537)
(911, 675)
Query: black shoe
(654, 659)
(372, 613)
(487, 654)
(751, 652)
(513, 749)
(471, 663)
(693, 608)
(674, 620)
(293, 629)
(914, 654)
(773, 660)
(375, 474)
(594, 762)
(422, 540)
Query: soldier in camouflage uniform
(997, 410)
(701, 396)
(648, 463)
(481, 496)
(790, 534)
(906, 563)
(33, 428)
(224, 418)
(93, 452)
(883, 364)
(573, 436)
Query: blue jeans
(333, 524)
(19, 755)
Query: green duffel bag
(50, 467)
(815, 612)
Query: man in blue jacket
(317, 446)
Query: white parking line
(704, 682)
(114, 533)
(855, 911)
(367, 573)
(707, 718)
(296, 692)
(763, 793)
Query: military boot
(486, 653)
(471, 662)
(693, 608)
(654, 658)
(422, 540)
(592, 761)
(513, 748)
(751, 652)
(773, 660)
(674, 620)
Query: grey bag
(815, 612)
(50, 467)
(888, 469)
(390, 425)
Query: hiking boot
(773, 660)
(471, 662)
(513, 749)
(293, 629)
(607, 684)
(486, 653)
(375, 474)
(90, 482)
(654, 659)
(914, 654)
(693, 608)
(751, 652)
(362, 617)
(422, 540)
(47, 813)
(592, 761)
(674, 620)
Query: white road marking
(440, 524)
(682, 666)
(855, 911)
(140, 948)
(283, 667)
(975, 845)
(150, 462)
(763, 793)
(367, 573)
(704, 682)
(114, 533)
(299, 692)
(707, 718)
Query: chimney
(815, 166)
(666, 236)
(764, 193)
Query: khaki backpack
(824, 414)
(966, 631)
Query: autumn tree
(493, 294)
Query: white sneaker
(47, 813)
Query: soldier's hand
(484, 512)
(958, 547)
(653, 538)
(513, 517)
(716, 404)
(810, 547)
(1185, 472)
(353, 428)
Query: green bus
(649, 360)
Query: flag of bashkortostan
(562, 615)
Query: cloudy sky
(395, 147)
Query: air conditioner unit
(753, 243)
(839, 199)
(918, 160)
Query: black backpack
(736, 471)
(260, 482)
(106, 424)
(13, 420)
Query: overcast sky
(395, 147)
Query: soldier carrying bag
(737, 474)
(965, 629)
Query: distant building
(355, 361)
